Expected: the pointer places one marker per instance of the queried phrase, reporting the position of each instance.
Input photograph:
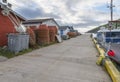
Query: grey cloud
(36, 13)
(89, 21)
(30, 10)
(33, 10)
(28, 13)
(71, 4)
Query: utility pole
(110, 23)
(111, 9)
(111, 12)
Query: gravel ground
(73, 60)
(2, 59)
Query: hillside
(94, 30)
(115, 24)
(97, 28)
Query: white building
(36, 22)
(63, 30)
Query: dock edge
(111, 69)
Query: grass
(6, 53)
(46, 45)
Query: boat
(109, 40)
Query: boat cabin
(108, 36)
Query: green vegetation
(45, 45)
(6, 53)
(114, 25)
(94, 30)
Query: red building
(6, 26)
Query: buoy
(111, 53)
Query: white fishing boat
(109, 40)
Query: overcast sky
(85, 14)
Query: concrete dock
(73, 60)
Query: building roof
(12, 11)
(63, 27)
(71, 28)
(37, 21)
(18, 15)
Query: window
(112, 34)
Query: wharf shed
(63, 30)
(35, 23)
(6, 25)
(41, 25)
